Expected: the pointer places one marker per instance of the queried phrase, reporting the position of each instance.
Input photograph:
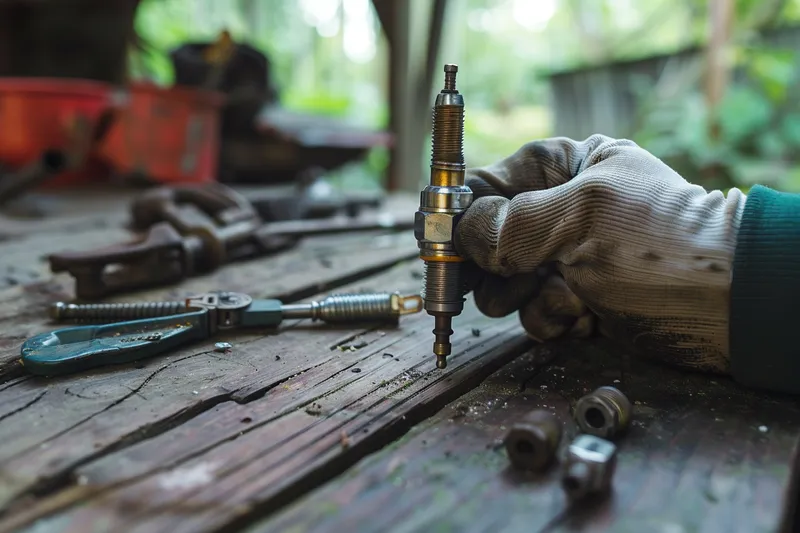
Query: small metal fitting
(532, 442)
(589, 467)
(605, 413)
(62, 311)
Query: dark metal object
(81, 139)
(605, 413)
(589, 467)
(531, 443)
(194, 230)
(441, 204)
(48, 165)
(78, 348)
(313, 197)
(245, 78)
(333, 309)
(64, 312)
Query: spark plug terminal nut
(605, 412)
(589, 467)
(531, 443)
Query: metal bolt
(62, 311)
(605, 413)
(223, 347)
(589, 467)
(531, 443)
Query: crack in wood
(110, 406)
(340, 422)
(22, 408)
(12, 383)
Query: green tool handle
(80, 348)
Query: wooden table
(315, 428)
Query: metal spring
(350, 307)
(442, 282)
(448, 135)
(115, 311)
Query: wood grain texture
(81, 415)
(237, 462)
(693, 460)
(315, 265)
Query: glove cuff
(765, 293)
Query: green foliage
(756, 127)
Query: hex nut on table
(589, 467)
(531, 443)
(605, 412)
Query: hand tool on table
(193, 230)
(77, 348)
(442, 203)
(312, 197)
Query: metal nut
(434, 227)
(531, 443)
(605, 413)
(589, 467)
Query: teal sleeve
(765, 293)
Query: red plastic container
(165, 134)
(37, 114)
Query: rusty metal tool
(442, 203)
(77, 348)
(531, 443)
(193, 230)
(589, 467)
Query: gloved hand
(564, 231)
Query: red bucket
(165, 134)
(38, 114)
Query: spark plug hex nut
(604, 413)
(532, 442)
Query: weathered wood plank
(83, 415)
(314, 266)
(239, 461)
(694, 459)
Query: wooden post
(411, 71)
(718, 61)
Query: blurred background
(344, 87)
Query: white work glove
(636, 246)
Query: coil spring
(87, 313)
(349, 307)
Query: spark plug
(442, 203)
